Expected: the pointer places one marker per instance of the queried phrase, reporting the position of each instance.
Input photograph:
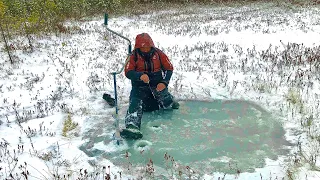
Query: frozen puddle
(217, 136)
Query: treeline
(45, 15)
(33, 16)
(29, 17)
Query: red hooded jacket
(153, 63)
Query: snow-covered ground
(261, 53)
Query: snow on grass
(217, 52)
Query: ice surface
(217, 136)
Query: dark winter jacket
(154, 63)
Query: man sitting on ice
(149, 70)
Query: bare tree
(26, 28)
(7, 47)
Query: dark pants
(142, 99)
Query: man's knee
(165, 98)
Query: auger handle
(106, 17)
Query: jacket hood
(143, 40)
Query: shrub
(293, 97)
(68, 125)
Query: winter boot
(131, 132)
(175, 105)
(111, 101)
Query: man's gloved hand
(144, 78)
(161, 86)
